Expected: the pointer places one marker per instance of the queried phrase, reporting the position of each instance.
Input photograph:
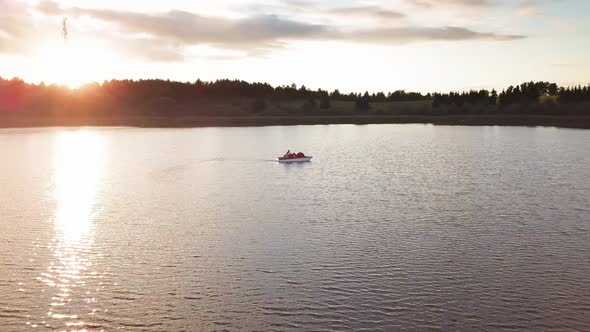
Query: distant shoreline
(577, 122)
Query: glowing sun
(71, 63)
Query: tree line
(528, 92)
(158, 95)
(535, 97)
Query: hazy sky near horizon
(353, 45)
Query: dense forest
(535, 97)
(240, 98)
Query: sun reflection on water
(78, 166)
(77, 170)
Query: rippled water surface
(410, 227)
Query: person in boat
(287, 154)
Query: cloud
(166, 36)
(529, 10)
(371, 11)
(375, 12)
(149, 49)
(189, 28)
(476, 3)
(50, 7)
(418, 34)
(462, 3)
(523, 7)
(533, 7)
(15, 31)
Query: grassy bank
(254, 121)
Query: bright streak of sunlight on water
(77, 169)
(78, 165)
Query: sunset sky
(353, 45)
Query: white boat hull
(294, 160)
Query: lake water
(390, 227)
